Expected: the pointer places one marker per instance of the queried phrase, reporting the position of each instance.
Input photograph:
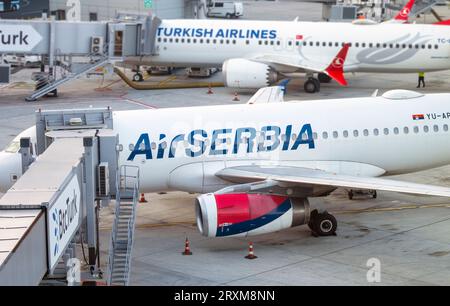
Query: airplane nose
(10, 170)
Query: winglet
(336, 69)
(403, 15)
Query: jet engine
(222, 215)
(242, 73)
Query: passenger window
(426, 129)
(406, 130)
(330, 44)
(317, 44)
(445, 128)
(436, 46)
(376, 132)
(355, 133)
(324, 44)
(159, 39)
(397, 46)
(177, 40)
(188, 41)
(325, 135)
(201, 41)
(304, 43)
(214, 41)
(345, 134)
(356, 45)
(436, 128)
(370, 45)
(266, 42)
(165, 40)
(410, 46)
(335, 134)
(289, 43)
(336, 44)
(311, 43)
(416, 129)
(430, 46)
(271, 42)
(294, 137)
(366, 132)
(396, 131)
(315, 135)
(260, 42)
(386, 131)
(234, 42)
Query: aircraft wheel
(324, 78)
(312, 85)
(323, 224)
(138, 77)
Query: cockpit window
(13, 147)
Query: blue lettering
(288, 135)
(220, 34)
(144, 141)
(308, 139)
(264, 34)
(168, 32)
(193, 141)
(217, 140)
(177, 32)
(273, 34)
(254, 34)
(208, 33)
(239, 139)
(186, 32)
(274, 138)
(161, 146)
(174, 144)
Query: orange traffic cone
(236, 97)
(187, 249)
(210, 92)
(251, 255)
(142, 199)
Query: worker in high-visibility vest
(421, 79)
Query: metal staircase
(51, 84)
(121, 243)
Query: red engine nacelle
(220, 215)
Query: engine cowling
(242, 73)
(242, 214)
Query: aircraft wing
(334, 69)
(310, 178)
(268, 95)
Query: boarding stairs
(47, 84)
(122, 235)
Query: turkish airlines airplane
(255, 172)
(255, 54)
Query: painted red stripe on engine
(236, 208)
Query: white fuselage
(388, 47)
(363, 136)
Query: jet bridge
(56, 201)
(71, 49)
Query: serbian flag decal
(418, 117)
(299, 37)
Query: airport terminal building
(93, 10)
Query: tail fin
(403, 15)
(336, 69)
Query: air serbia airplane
(256, 172)
(255, 54)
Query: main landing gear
(322, 224)
(312, 84)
